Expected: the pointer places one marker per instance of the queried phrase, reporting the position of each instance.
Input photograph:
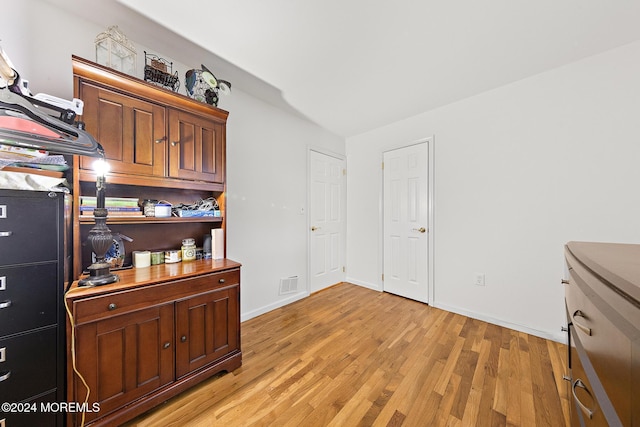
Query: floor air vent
(289, 285)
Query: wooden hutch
(161, 329)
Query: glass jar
(188, 249)
(148, 207)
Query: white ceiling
(355, 65)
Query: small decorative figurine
(203, 86)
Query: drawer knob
(5, 376)
(166, 345)
(578, 383)
(183, 338)
(5, 304)
(221, 280)
(112, 307)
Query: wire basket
(159, 71)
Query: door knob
(421, 229)
(314, 228)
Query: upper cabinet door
(196, 147)
(131, 131)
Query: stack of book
(116, 206)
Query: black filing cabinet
(33, 264)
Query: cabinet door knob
(564, 281)
(221, 280)
(183, 338)
(6, 233)
(161, 140)
(166, 345)
(174, 143)
(5, 304)
(112, 307)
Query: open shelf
(146, 220)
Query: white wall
(267, 190)
(266, 151)
(519, 171)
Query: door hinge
(383, 277)
(382, 166)
(344, 269)
(344, 171)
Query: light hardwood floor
(350, 356)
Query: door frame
(430, 141)
(343, 242)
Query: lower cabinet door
(125, 357)
(207, 328)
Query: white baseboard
(560, 336)
(368, 285)
(274, 306)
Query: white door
(405, 222)
(327, 220)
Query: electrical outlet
(479, 279)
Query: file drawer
(28, 297)
(28, 364)
(26, 231)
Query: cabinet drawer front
(28, 297)
(29, 365)
(26, 234)
(585, 409)
(90, 309)
(226, 278)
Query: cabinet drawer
(29, 364)
(585, 409)
(25, 221)
(28, 297)
(94, 308)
